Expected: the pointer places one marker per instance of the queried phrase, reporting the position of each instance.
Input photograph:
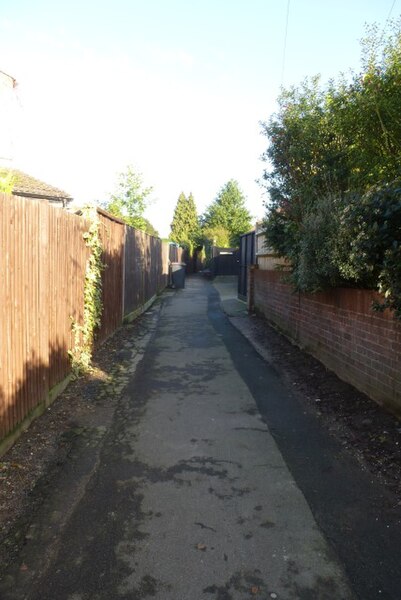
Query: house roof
(26, 185)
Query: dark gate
(247, 257)
(225, 261)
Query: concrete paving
(227, 288)
(190, 497)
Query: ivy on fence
(84, 335)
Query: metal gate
(247, 257)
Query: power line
(386, 22)
(285, 41)
(391, 10)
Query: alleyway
(191, 498)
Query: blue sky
(175, 87)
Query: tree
(7, 181)
(150, 229)
(216, 236)
(185, 223)
(307, 161)
(130, 199)
(228, 212)
(334, 176)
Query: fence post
(124, 243)
(251, 288)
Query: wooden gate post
(251, 288)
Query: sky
(176, 88)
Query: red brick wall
(340, 328)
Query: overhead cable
(285, 42)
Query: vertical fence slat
(3, 424)
(112, 235)
(43, 298)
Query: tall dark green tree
(185, 223)
(228, 212)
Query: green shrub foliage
(84, 334)
(7, 182)
(334, 159)
(373, 224)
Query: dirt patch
(363, 427)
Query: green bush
(319, 250)
(372, 223)
(333, 154)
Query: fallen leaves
(6, 466)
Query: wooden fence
(146, 269)
(43, 259)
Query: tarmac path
(190, 497)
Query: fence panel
(247, 258)
(23, 326)
(164, 270)
(112, 233)
(146, 268)
(134, 270)
(43, 258)
(177, 254)
(131, 290)
(67, 258)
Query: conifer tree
(185, 224)
(228, 212)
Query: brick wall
(340, 328)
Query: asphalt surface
(203, 485)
